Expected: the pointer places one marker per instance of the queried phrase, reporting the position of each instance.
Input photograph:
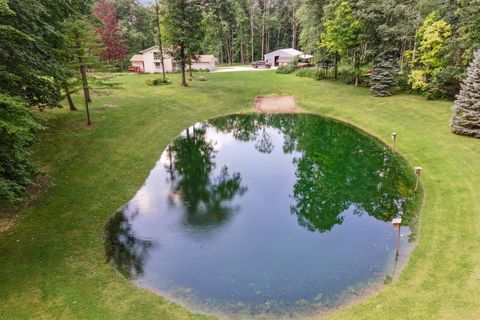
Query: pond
(260, 215)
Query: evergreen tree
(466, 110)
(383, 76)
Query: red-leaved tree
(109, 31)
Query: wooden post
(394, 138)
(418, 171)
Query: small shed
(284, 56)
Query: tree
(310, 17)
(342, 33)
(109, 32)
(184, 30)
(81, 46)
(159, 37)
(136, 24)
(466, 110)
(428, 61)
(17, 132)
(30, 35)
(385, 24)
(383, 78)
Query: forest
(51, 49)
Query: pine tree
(466, 110)
(383, 79)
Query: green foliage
(17, 132)
(27, 41)
(310, 15)
(349, 74)
(158, 82)
(383, 77)
(466, 110)
(306, 72)
(342, 31)
(428, 60)
(313, 73)
(286, 69)
(135, 22)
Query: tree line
(48, 47)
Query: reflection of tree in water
(122, 248)
(247, 128)
(204, 197)
(337, 167)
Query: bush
(313, 73)
(306, 72)
(446, 83)
(348, 74)
(18, 129)
(158, 82)
(286, 69)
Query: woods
(49, 49)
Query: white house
(284, 56)
(148, 61)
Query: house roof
(137, 58)
(206, 58)
(290, 52)
(149, 49)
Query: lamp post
(394, 139)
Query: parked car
(261, 64)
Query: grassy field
(52, 261)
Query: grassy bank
(52, 261)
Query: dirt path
(275, 104)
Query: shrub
(18, 129)
(286, 69)
(313, 73)
(157, 82)
(348, 75)
(306, 72)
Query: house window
(158, 64)
(156, 56)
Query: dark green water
(265, 214)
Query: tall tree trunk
(252, 35)
(294, 26)
(182, 65)
(263, 29)
(160, 44)
(86, 92)
(58, 88)
(190, 67)
(220, 52)
(83, 72)
(241, 45)
(69, 98)
(356, 63)
(336, 66)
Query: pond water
(265, 215)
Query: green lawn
(52, 261)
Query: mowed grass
(52, 261)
